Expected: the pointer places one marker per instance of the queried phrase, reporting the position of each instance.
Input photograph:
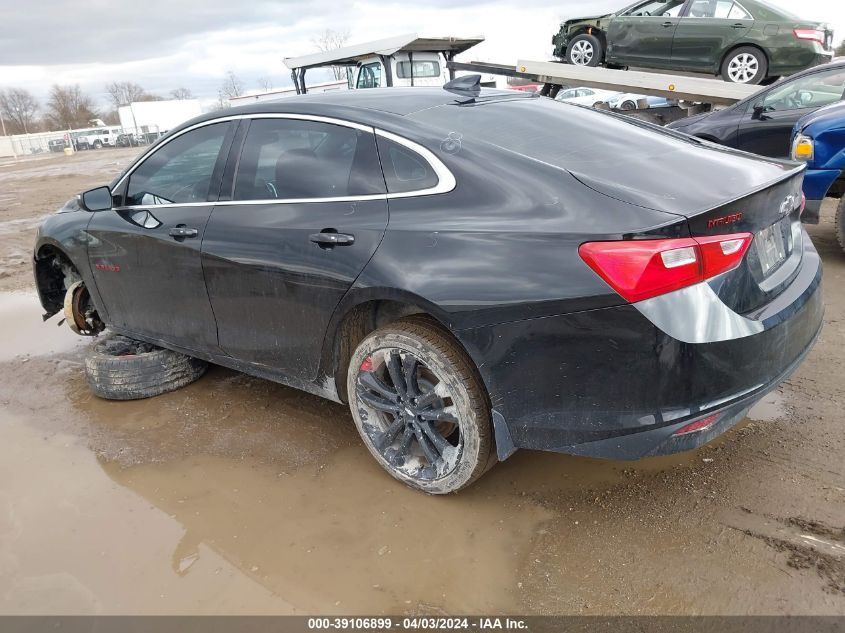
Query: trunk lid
(720, 192)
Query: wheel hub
(411, 425)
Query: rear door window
(293, 159)
(722, 9)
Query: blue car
(819, 140)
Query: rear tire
(839, 223)
(745, 65)
(420, 406)
(628, 106)
(585, 50)
(121, 368)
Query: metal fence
(25, 145)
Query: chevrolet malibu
(473, 272)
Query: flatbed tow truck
(411, 60)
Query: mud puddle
(25, 334)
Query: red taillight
(640, 269)
(811, 35)
(698, 425)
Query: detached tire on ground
(121, 368)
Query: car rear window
(554, 132)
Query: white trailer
(157, 117)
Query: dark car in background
(744, 41)
(472, 273)
(56, 145)
(763, 122)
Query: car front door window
(181, 171)
(657, 8)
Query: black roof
(374, 106)
(400, 101)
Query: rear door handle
(737, 26)
(327, 238)
(183, 232)
(666, 25)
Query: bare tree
(181, 93)
(232, 87)
(18, 106)
(265, 84)
(123, 93)
(69, 107)
(330, 40)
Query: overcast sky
(164, 44)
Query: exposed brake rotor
(80, 316)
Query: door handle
(181, 232)
(666, 25)
(328, 239)
(737, 26)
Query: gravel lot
(237, 495)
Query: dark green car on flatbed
(744, 41)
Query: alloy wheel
(582, 52)
(743, 68)
(410, 419)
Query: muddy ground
(237, 495)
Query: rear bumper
(609, 383)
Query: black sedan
(763, 122)
(472, 273)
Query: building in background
(154, 118)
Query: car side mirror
(98, 199)
(757, 112)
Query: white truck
(99, 137)
(404, 60)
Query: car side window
(369, 76)
(720, 9)
(180, 171)
(656, 8)
(288, 159)
(811, 91)
(404, 169)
